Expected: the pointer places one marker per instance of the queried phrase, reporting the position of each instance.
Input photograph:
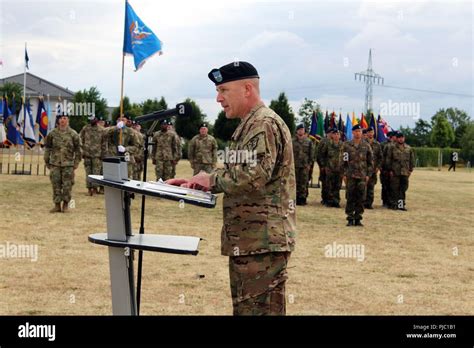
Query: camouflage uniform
(111, 140)
(178, 141)
(202, 153)
(357, 162)
(303, 155)
(62, 155)
(332, 164)
(166, 150)
(400, 162)
(259, 213)
(377, 153)
(322, 152)
(384, 173)
(91, 141)
(139, 156)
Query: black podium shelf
(152, 242)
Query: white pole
(24, 78)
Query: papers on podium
(161, 186)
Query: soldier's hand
(390, 173)
(200, 181)
(121, 148)
(176, 182)
(76, 166)
(366, 179)
(344, 178)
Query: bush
(428, 156)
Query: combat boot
(91, 192)
(56, 209)
(350, 222)
(101, 190)
(65, 207)
(358, 223)
(96, 190)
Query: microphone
(181, 110)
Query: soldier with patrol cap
(323, 177)
(332, 167)
(166, 152)
(400, 165)
(258, 232)
(384, 172)
(202, 151)
(303, 156)
(91, 146)
(178, 141)
(357, 162)
(62, 156)
(377, 152)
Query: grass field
(415, 262)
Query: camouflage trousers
(208, 168)
(355, 195)
(93, 166)
(164, 170)
(302, 182)
(323, 177)
(385, 182)
(334, 182)
(137, 170)
(62, 179)
(369, 197)
(398, 189)
(257, 283)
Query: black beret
(300, 126)
(333, 130)
(399, 135)
(364, 131)
(370, 129)
(232, 72)
(357, 126)
(203, 125)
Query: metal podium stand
(119, 238)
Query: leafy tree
(9, 89)
(131, 110)
(467, 143)
(307, 108)
(189, 127)
(283, 109)
(442, 134)
(91, 96)
(224, 127)
(151, 105)
(458, 119)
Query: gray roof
(36, 85)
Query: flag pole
(121, 94)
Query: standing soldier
(303, 155)
(91, 141)
(384, 172)
(321, 159)
(121, 141)
(357, 162)
(258, 232)
(400, 163)
(62, 156)
(178, 141)
(166, 152)
(202, 151)
(377, 152)
(333, 169)
(140, 155)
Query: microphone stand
(142, 217)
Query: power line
(429, 91)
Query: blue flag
(139, 40)
(348, 128)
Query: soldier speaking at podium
(259, 227)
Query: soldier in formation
(202, 151)
(166, 152)
(377, 152)
(91, 146)
(303, 156)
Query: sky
(307, 49)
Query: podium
(119, 238)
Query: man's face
(300, 132)
(123, 119)
(336, 136)
(393, 138)
(137, 127)
(101, 123)
(370, 134)
(401, 140)
(357, 134)
(203, 130)
(63, 122)
(231, 96)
